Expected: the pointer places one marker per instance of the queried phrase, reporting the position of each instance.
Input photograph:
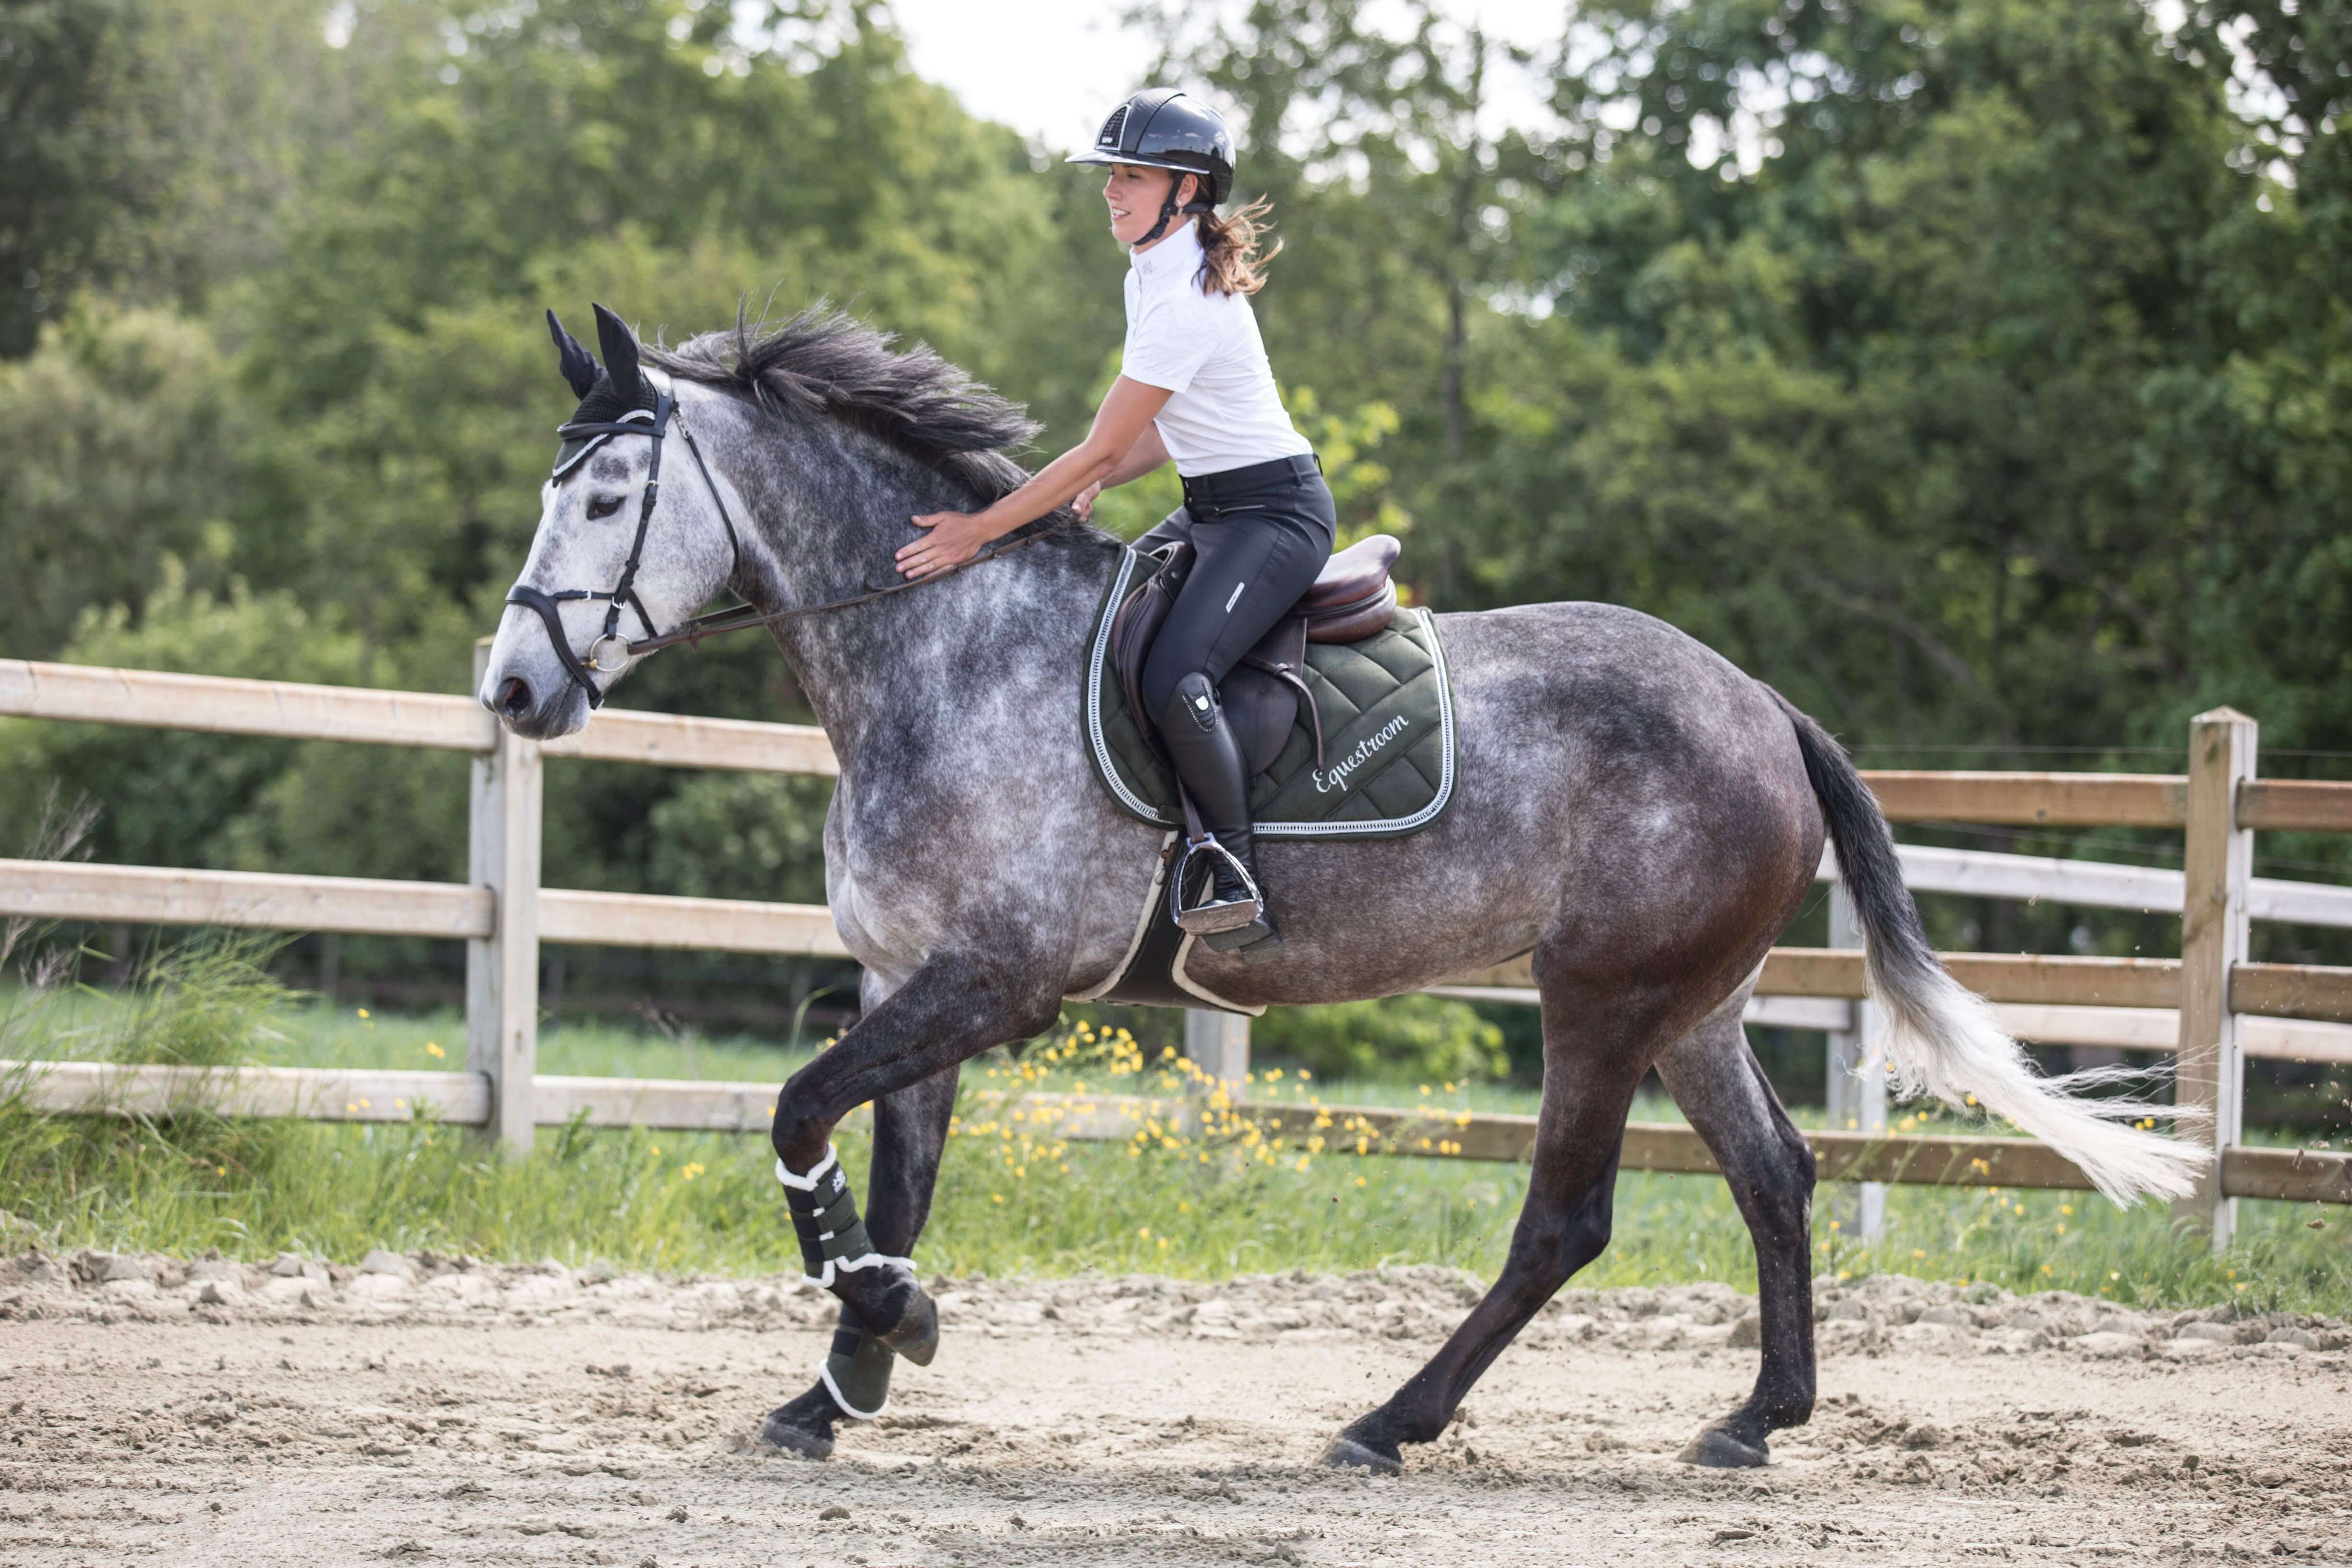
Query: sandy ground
(435, 1411)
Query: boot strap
(824, 1217)
(856, 1370)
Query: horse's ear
(620, 346)
(578, 365)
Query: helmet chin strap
(1169, 209)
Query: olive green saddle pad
(1389, 755)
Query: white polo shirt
(1204, 347)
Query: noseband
(610, 644)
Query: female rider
(1194, 386)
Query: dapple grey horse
(1633, 811)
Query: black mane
(826, 362)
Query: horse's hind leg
(1596, 1047)
(910, 1133)
(1719, 1085)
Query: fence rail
(2212, 1008)
(2303, 1175)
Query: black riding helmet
(1167, 128)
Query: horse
(1632, 811)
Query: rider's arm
(1120, 424)
(1148, 453)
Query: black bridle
(655, 423)
(655, 426)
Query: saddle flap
(1136, 624)
(1261, 693)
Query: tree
(77, 168)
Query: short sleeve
(1169, 345)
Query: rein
(655, 426)
(736, 620)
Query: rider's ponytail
(1235, 264)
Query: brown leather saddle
(1352, 598)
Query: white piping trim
(874, 1261)
(1103, 763)
(1142, 927)
(833, 1388)
(1357, 827)
(636, 415)
(1176, 973)
(806, 1183)
(834, 1267)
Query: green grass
(1011, 1198)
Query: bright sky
(1054, 67)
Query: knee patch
(1198, 699)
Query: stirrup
(1254, 942)
(1215, 914)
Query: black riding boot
(1208, 760)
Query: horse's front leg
(910, 1133)
(952, 1009)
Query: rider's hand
(1083, 503)
(955, 537)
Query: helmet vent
(1112, 127)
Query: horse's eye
(602, 506)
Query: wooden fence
(2209, 1005)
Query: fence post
(502, 971)
(1857, 1083)
(1218, 1044)
(2209, 1071)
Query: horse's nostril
(514, 697)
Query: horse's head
(631, 539)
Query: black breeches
(1251, 565)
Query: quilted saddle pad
(1388, 752)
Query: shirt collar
(1179, 255)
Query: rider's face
(1135, 195)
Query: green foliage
(1427, 1039)
(171, 797)
(206, 1005)
(1012, 1198)
(121, 457)
(1974, 371)
(743, 835)
(66, 89)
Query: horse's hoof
(916, 1334)
(789, 1429)
(1347, 1454)
(1719, 1450)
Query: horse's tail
(1944, 1041)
